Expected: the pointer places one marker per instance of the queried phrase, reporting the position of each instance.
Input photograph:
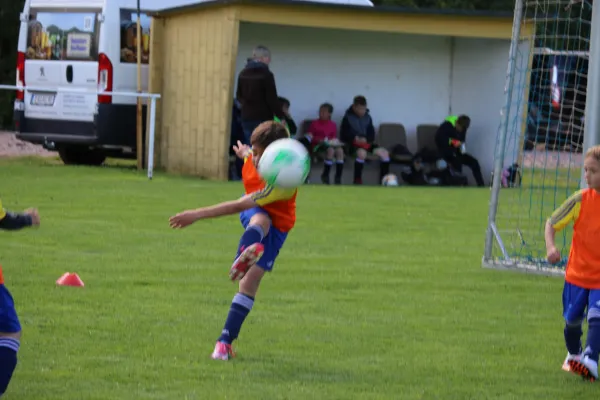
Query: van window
(62, 36)
(129, 41)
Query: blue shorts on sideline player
(579, 302)
(273, 242)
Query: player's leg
(587, 365)
(339, 164)
(384, 161)
(257, 224)
(473, 164)
(359, 163)
(574, 306)
(10, 335)
(243, 301)
(241, 305)
(329, 153)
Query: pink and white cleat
(247, 258)
(222, 351)
(585, 367)
(570, 357)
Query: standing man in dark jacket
(257, 93)
(450, 140)
(358, 133)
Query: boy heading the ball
(582, 276)
(267, 213)
(10, 327)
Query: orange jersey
(279, 203)
(583, 267)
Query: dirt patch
(10, 146)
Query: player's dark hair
(360, 101)
(283, 102)
(268, 132)
(464, 121)
(328, 106)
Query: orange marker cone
(70, 279)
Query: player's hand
(35, 216)
(183, 219)
(553, 255)
(241, 150)
(455, 143)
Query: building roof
(339, 4)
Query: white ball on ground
(390, 180)
(284, 163)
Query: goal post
(550, 118)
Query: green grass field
(378, 294)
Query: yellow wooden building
(193, 56)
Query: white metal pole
(499, 161)
(591, 135)
(151, 143)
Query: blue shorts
(273, 242)
(9, 321)
(577, 302)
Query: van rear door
(62, 52)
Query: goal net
(544, 121)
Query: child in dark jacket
(358, 133)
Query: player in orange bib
(581, 293)
(10, 327)
(267, 213)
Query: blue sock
(592, 347)
(240, 308)
(573, 334)
(252, 234)
(8, 361)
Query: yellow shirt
(567, 212)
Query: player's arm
(16, 221)
(260, 198)
(560, 218)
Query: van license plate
(42, 99)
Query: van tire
(76, 155)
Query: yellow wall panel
(420, 24)
(197, 90)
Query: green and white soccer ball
(284, 163)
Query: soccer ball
(390, 180)
(284, 163)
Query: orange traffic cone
(70, 279)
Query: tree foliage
(9, 34)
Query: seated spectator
(287, 118)
(322, 136)
(358, 133)
(450, 141)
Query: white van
(88, 46)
